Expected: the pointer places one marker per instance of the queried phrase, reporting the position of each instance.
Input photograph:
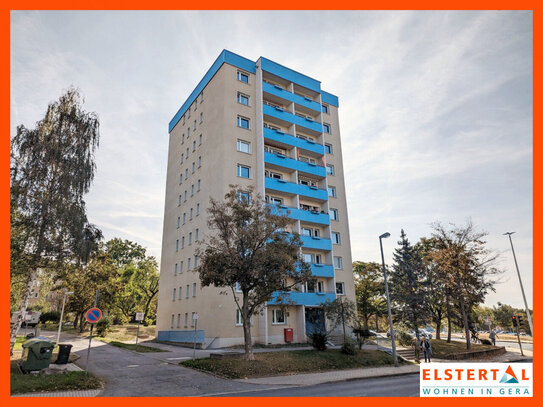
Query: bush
(102, 327)
(404, 339)
(51, 316)
(318, 340)
(361, 335)
(349, 347)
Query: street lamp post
(62, 313)
(392, 338)
(521, 286)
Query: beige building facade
(261, 124)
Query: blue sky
(435, 110)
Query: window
(200, 140)
(195, 261)
(192, 320)
(334, 214)
(274, 150)
(194, 146)
(193, 167)
(198, 186)
(184, 217)
(192, 190)
(187, 155)
(336, 238)
(320, 286)
(187, 291)
(243, 99)
(244, 146)
(325, 109)
(244, 171)
(186, 319)
(330, 169)
(178, 222)
(276, 201)
(201, 117)
(183, 242)
(180, 293)
(190, 216)
(190, 238)
(310, 287)
(196, 233)
(179, 200)
(185, 196)
(243, 122)
(194, 125)
(326, 128)
(188, 264)
(199, 161)
(340, 288)
(186, 173)
(201, 97)
(194, 289)
(182, 158)
(338, 262)
(308, 258)
(173, 317)
(175, 270)
(271, 174)
(197, 209)
(243, 77)
(179, 320)
(180, 179)
(244, 196)
(180, 267)
(332, 192)
(328, 149)
(174, 294)
(307, 181)
(177, 245)
(278, 317)
(239, 320)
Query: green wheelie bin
(37, 354)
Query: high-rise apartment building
(261, 124)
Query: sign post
(139, 318)
(92, 316)
(195, 317)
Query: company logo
(476, 380)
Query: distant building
(262, 124)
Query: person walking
(426, 348)
(416, 347)
(493, 337)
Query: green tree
(250, 250)
(100, 273)
(501, 315)
(369, 289)
(52, 168)
(340, 311)
(467, 266)
(408, 287)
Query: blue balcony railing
(291, 97)
(291, 163)
(285, 138)
(320, 243)
(297, 298)
(322, 270)
(301, 214)
(292, 118)
(296, 189)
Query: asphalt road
(392, 386)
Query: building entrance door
(314, 320)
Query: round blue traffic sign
(93, 315)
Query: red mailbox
(289, 335)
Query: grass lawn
(131, 346)
(442, 350)
(30, 383)
(290, 362)
(119, 333)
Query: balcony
(287, 117)
(311, 242)
(296, 189)
(298, 298)
(291, 141)
(301, 214)
(322, 270)
(291, 97)
(286, 162)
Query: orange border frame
(250, 5)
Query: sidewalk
(308, 379)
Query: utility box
(289, 335)
(37, 354)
